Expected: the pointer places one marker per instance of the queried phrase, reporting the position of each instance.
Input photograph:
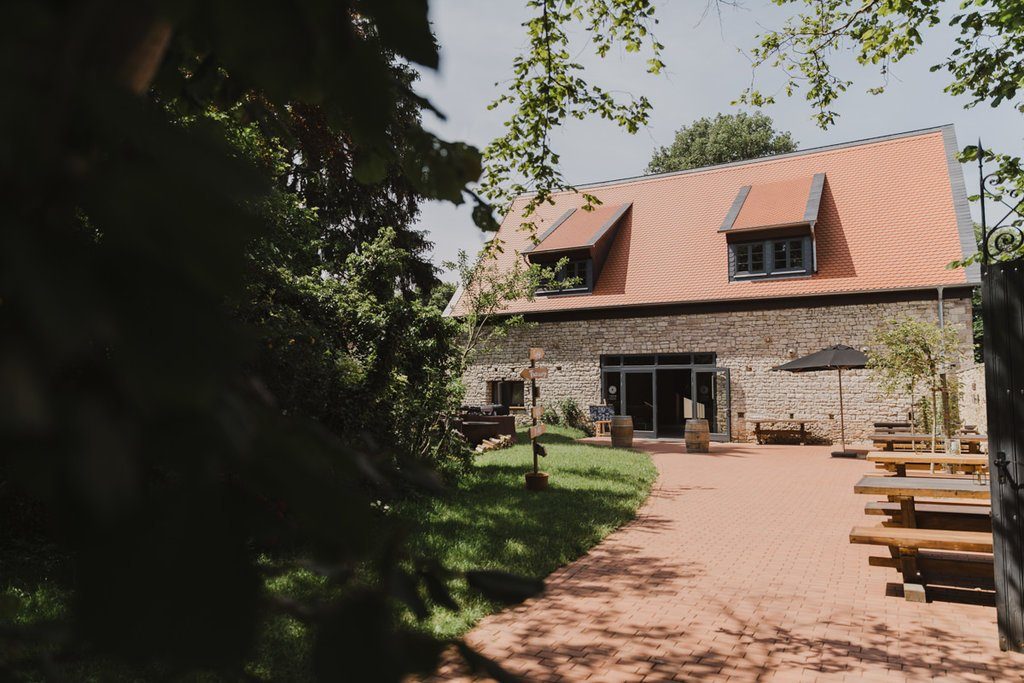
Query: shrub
(573, 416)
(551, 416)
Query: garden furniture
(888, 442)
(898, 462)
(799, 432)
(906, 538)
(839, 358)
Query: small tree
(486, 288)
(906, 353)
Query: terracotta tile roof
(893, 214)
(783, 202)
(579, 229)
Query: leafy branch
(548, 89)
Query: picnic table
(888, 440)
(800, 432)
(906, 539)
(923, 487)
(897, 462)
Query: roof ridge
(774, 157)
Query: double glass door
(662, 399)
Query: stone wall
(972, 396)
(748, 342)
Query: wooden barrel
(622, 431)
(698, 438)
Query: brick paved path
(739, 567)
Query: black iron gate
(1003, 314)
(1003, 311)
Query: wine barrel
(622, 431)
(698, 438)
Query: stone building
(687, 288)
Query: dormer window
(769, 228)
(584, 239)
(574, 277)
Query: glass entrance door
(639, 401)
(711, 400)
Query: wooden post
(536, 480)
(533, 409)
(842, 418)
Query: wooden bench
(954, 516)
(905, 546)
(797, 431)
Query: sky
(707, 68)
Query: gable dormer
(770, 229)
(582, 237)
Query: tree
(176, 176)
(485, 291)
(724, 138)
(983, 62)
(906, 353)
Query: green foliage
(490, 521)
(574, 417)
(485, 290)
(548, 88)
(550, 416)
(724, 138)
(189, 228)
(984, 61)
(211, 353)
(977, 326)
(906, 354)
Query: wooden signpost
(536, 480)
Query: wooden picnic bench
(899, 462)
(907, 541)
(798, 432)
(955, 516)
(889, 440)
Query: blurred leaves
(983, 54)
(201, 319)
(548, 89)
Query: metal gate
(1002, 290)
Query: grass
(489, 521)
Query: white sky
(706, 71)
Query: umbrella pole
(842, 419)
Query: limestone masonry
(747, 342)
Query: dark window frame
(495, 390)
(580, 268)
(772, 269)
(616, 361)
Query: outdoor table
(906, 540)
(801, 422)
(906, 489)
(897, 462)
(972, 441)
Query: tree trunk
(947, 418)
(913, 421)
(935, 419)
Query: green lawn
(487, 521)
(491, 522)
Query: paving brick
(738, 567)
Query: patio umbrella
(839, 358)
